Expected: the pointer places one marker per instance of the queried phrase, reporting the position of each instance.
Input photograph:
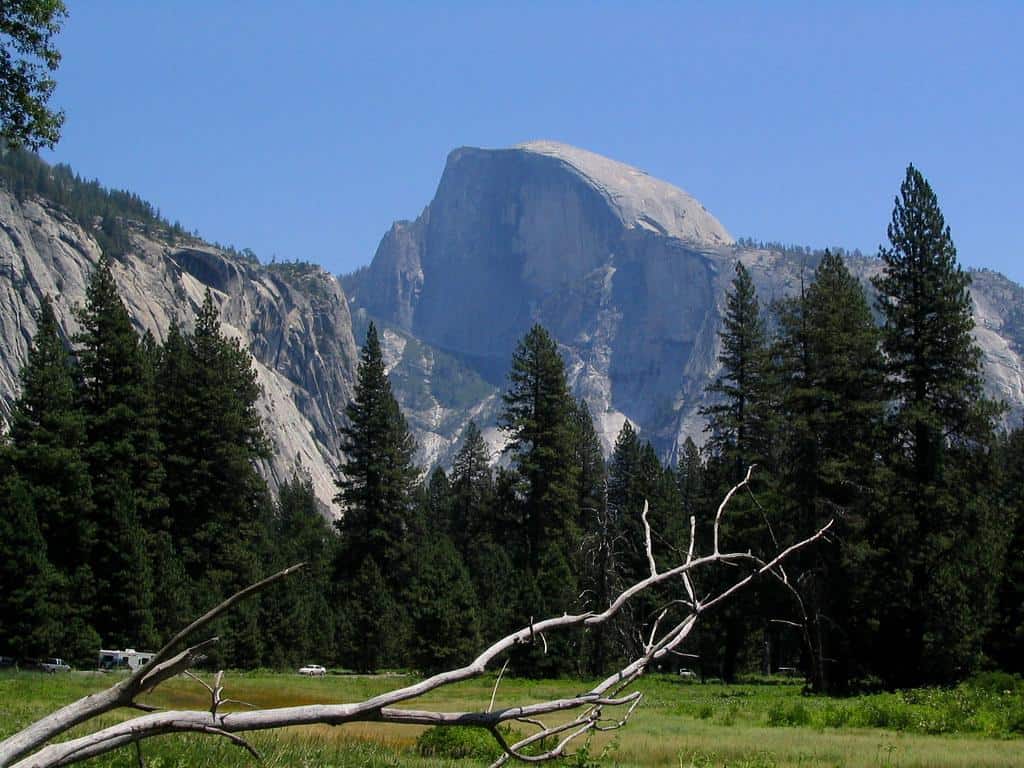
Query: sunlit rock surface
(629, 274)
(294, 319)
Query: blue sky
(303, 129)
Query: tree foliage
(738, 420)
(941, 429)
(28, 56)
(377, 472)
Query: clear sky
(302, 129)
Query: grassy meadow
(681, 724)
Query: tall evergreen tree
(742, 422)
(123, 457)
(377, 473)
(48, 453)
(635, 477)
(690, 473)
(228, 441)
(219, 508)
(375, 486)
(538, 420)
(831, 368)
(934, 365)
(627, 487)
(473, 519)
(738, 422)
(942, 537)
(599, 546)
(589, 459)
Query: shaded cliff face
(627, 272)
(293, 318)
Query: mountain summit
(640, 200)
(628, 273)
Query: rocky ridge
(294, 319)
(629, 273)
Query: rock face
(627, 272)
(294, 319)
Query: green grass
(680, 724)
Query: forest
(131, 498)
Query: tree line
(131, 498)
(873, 416)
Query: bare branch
(497, 682)
(608, 694)
(220, 610)
(647, 541)
(123, 694)
(725, 502)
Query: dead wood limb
(29, 748)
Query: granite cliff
(294, 318)
(629, 273)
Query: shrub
(996, 683)
(1014, 718)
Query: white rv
(129, 659)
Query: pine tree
(589, 459)
(942, 535)
(179, 411)
(123, 456)
(473, 520)
(375, 489)
(377, 473)
(833, 402)
(690, 474)
(538, 420)
(743, 431)
(228, 442)
(213, 440)
(437, 514)
(635, 477)
(627, 487)
(47, 452)
(933, 362)
(738, 423)
(599, 547)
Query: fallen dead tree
(606, 706)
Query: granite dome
(639, 199)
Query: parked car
(313, 670)
(54, 665)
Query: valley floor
(681, 724)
